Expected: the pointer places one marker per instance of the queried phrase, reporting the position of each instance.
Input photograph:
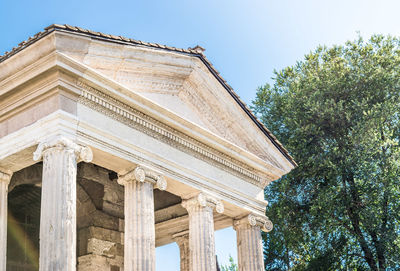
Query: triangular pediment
(181, 83)
(178, 82)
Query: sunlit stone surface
(4, 181)
(151, 114)
(58, 212)
(249, 242)
(139, 254)
(182, 239)
(201, 231)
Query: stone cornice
(252, 220)
(83, 153)
(196, 55)
(141, 174)
(203, 200)
(115, 109)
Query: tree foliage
(337, 111)
(231, 267)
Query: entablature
(126, 126)
(75, 81)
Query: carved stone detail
(262, 222)
(4, 181)
(201, 231)
(139, 237)
(144, 175)
(58, 207)
(203, 200)
(115, 109)
(139, 159)
(208, 111)
(82, 153)
(249, 241)
(203, 108)
(150, 85)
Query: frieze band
(132, 117)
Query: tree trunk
(355, 220)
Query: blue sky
(245, 40)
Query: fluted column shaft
(249, 242)
(139, 243)
(4, 181)
(183, 243)
(201, 231)
(58, 205)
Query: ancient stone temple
(110, 147)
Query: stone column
(249, 241)
(4, 181)
(139, 242)
(182, 240)
(201, 231)
(58, 206)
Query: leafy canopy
(337, 111)
(231, 267)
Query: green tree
(337, 111)
(231, 267)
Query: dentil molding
(109, 106)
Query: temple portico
(122, 146)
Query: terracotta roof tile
(124, 39)
(196, 51)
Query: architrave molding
(109, 106)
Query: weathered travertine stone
(93, 262)
(182, 240)
(201, 231)
(166, 109)
(249, 241)
(4, 181)
(139, 244)
(58, 208)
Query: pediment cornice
(214, 146)
(159, 55)
(111, 107)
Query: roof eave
(191, 52)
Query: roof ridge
(52, 27)
(197, 51)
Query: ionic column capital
(5, 177)
(252, 220)
(58, 143)
(141, 174)
(181, 237)
(203, 200)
